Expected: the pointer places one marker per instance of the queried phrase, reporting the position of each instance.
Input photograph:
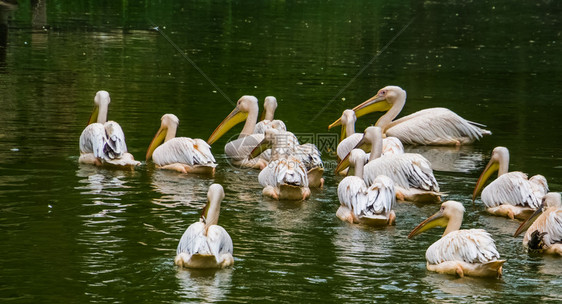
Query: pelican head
(450, 215)
(499, 162)
(550, 200)
(167, 131)
(211, 212)
(347, 120)
(269, 106)
(245, 105)
(270, 136)
(101, 104)
(371, 142)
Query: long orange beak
(156, 141)
(492, 166)
(436, 220)
(344, 163)
(262, 146)
(235, 117)
(528, 222)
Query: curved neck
(389, 116)
(212, 213)
(453, 225)
(504, 165)
(269, 113)
(349, 128)
(376, 146)
(359, 165)
(251, 121)
(171, 132)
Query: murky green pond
(74, 233)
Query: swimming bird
(205, 244)
(102, 142)
(470, 252)
(238, 150)
(349, 139)
(362, 204)
(181, 154)
(267, 121)
(511, 194)
(433, 126)
(412, 174)
(285, 177)
(544, 227)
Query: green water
(74, 233)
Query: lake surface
(74, 233)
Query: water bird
(412, 174)
(266, 120)
(205, 244)
(470, 252)
(544, 227)
(511, 194)
(238, 150)
(361, 204)
(182, 154)
(102, 142)
(285, 176)
(433, 126)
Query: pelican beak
(262, 146)
(262, 116)
(344, 163)
(235, 117)
(376, 103)
(94, 116)
(343, 131)
(436, 220)
(528, 222)
(335, 123)
(493, 166)
(156, 141)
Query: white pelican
(349, 139)
(181, 154)
(412, 174)
(285, 177)
(434, 126)
(544, 231)
(469, 252)
(103, 142)
(511, 194)
(205, 244)
(238, 150)
(267, 121)
(308, 154)
(362, 204)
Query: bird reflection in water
(462, 159)
(179, 189)
(204, 285)
(455, 287)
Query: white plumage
(205, 244)
(103, 142)
(267, 121)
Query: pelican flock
(383, 173)
(181, 154)
(511, 194)
(103, 142)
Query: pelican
(181, 154)
(205, 244)
(412, 174)
(238, 150)
(103, 142)
(544, 231)
(511, 194)
(349, 139)
(285, 177)
(470, 252)
(267, 121)
(434, 126)
(361, 204)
